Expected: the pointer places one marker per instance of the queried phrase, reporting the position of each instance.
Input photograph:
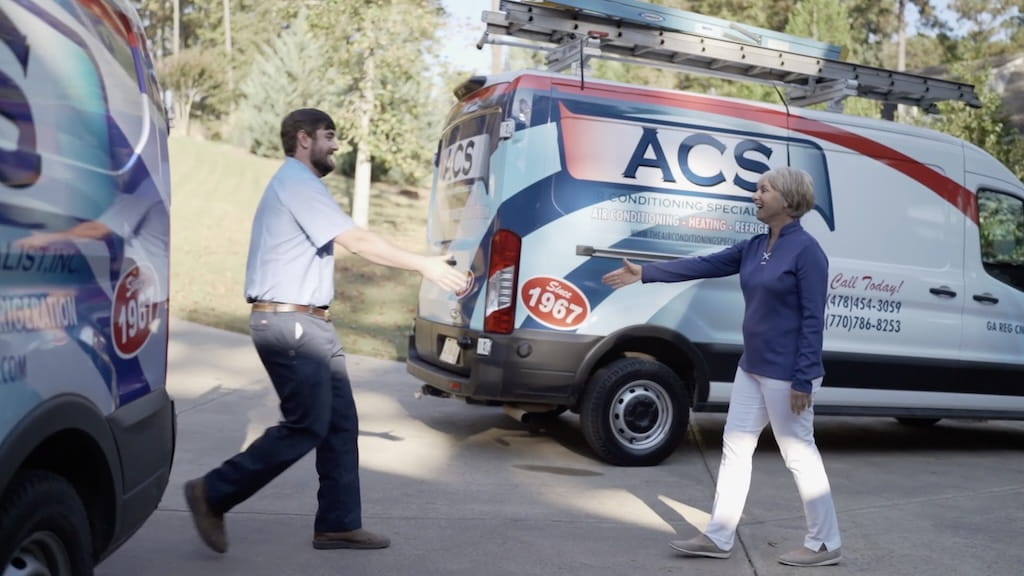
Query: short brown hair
(307, 120)
(795, 186)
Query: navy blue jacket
(785, 295)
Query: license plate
(450, 351)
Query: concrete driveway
(466, 491)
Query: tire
(918, 422)
(634, 412)
(43, 528)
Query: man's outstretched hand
(439, 270)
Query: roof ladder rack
(571, 35)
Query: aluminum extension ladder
(571, 35)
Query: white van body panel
(925, 310)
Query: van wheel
(918, 422)
(634, 412)
(43, 528)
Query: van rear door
(462, 204)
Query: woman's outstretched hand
(628, 274)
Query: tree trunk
(176, 41)
(361, 188)
(227, 45)
(901, 36)
(183, 113)
(364, 155)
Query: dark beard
(323, 165)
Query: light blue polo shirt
(291, 251)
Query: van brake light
(501, 290)
(500, 312)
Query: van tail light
(503, 270)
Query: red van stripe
(945, 187)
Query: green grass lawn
(215, 190)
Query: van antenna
(782, 97)
(583, 41)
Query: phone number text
(852, 322)
(862, 304)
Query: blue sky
(463, 32)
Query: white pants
(756, 401)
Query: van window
(462, 171)
(114, 30)
(1001, 224)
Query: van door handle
(942, 291)
(986, 298)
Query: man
(290, 282)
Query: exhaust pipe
(516, 413)
(529, 413)
(428, 390)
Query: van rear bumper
(535, 366)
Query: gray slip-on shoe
(701, 546)
(808, 557)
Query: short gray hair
(796, 187)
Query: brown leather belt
(263, 306)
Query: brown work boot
(209, 525)
(353, 539)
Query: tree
(173, 25)
(990, 24)
(191, 75)
(922, 51)
(986, 127)
(249, 26)
(156, 18)
(290, 75)
(828, 21)
(988, 33)
(771, 14)
(176, 33)
(381, 84)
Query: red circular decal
(135, 310)
(555, 303)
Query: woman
(784, 278)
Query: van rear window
(462, 174)
(114, 29)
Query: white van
(87, 429)
(544, 183)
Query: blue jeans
(306, 364)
